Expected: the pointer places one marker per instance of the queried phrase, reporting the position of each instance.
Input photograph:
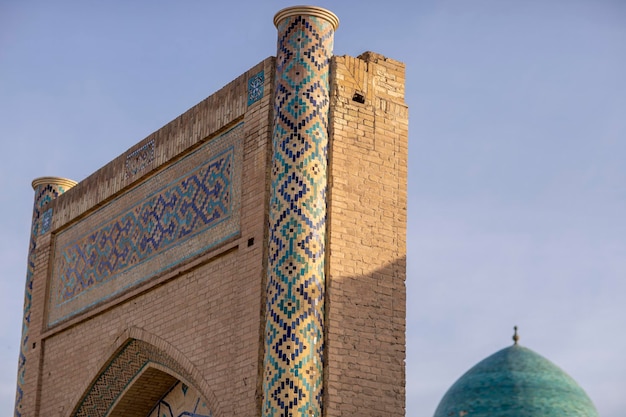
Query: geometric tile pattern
(132, 358)
(255, 87)
(294, 329)
(181, 401)
(140, 158)
(46, 221)
(516, 382)
(41, 221)
(191, 211)
(192, 204)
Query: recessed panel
(190, 207)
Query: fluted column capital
(63, 183)
(314, 11)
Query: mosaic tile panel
(127, 364)
(256, 87)
(182, 401)
(41, 221)
(139, 159)
(46, 221)
(294, 329)
(190, 207)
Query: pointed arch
(139, 369)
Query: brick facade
(367, 244)
(149, 277)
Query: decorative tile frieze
(190, 207)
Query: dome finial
(515, 335)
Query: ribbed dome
(515, 382)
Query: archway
(156, 393)
(140, 378)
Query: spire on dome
(515, 335)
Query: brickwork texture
(161, 284)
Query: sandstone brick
(205, 314)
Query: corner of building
(366, 292)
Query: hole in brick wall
(358, 97)
(250, 241)
(34, 345)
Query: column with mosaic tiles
(46, 190)
(294, 326)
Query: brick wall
(201, 320)
(204, 313)
(365, 372)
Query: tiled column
(46, 190)
(294, 329)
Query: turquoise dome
(515, 382)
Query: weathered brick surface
(207, 314)
(367, 239)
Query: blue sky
(517, 180)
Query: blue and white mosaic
(255, 87)
(181, 401)
(41, 223)
(294, 329)
(46, 221)
(139, 159)
(180, 213)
